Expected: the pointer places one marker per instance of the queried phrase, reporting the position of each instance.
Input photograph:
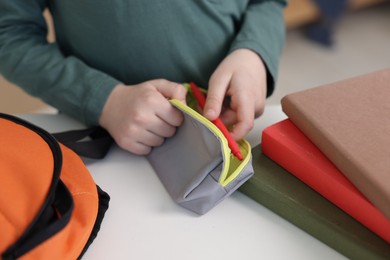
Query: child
(115, 63)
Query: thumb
(172, 90)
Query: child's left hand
(241, 76)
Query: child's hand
(140, 117)
(242, 76)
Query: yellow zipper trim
(224, 179)
(245, 145)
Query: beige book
(349, 121)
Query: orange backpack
(50, 206)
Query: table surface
(143, 222)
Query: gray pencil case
(196, 165)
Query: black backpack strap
(93, 142)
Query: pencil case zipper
(228, 174)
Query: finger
(218, 86)
(229, 117)
(151, 139)
(169, 114)
(171, 90)
(138, 141)
(245, 116)
(162, 128)
(140, 148)
(133, 146)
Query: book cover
(349, 121)
(287, 196)
(286, 145)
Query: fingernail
(209, 113)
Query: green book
(287, 196)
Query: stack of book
(329, 171)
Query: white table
(143, 223)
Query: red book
(285, 144)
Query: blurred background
(331, 40)
(326, 41)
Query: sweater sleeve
(41, 69)
(263, 31)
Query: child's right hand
(140, 117)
